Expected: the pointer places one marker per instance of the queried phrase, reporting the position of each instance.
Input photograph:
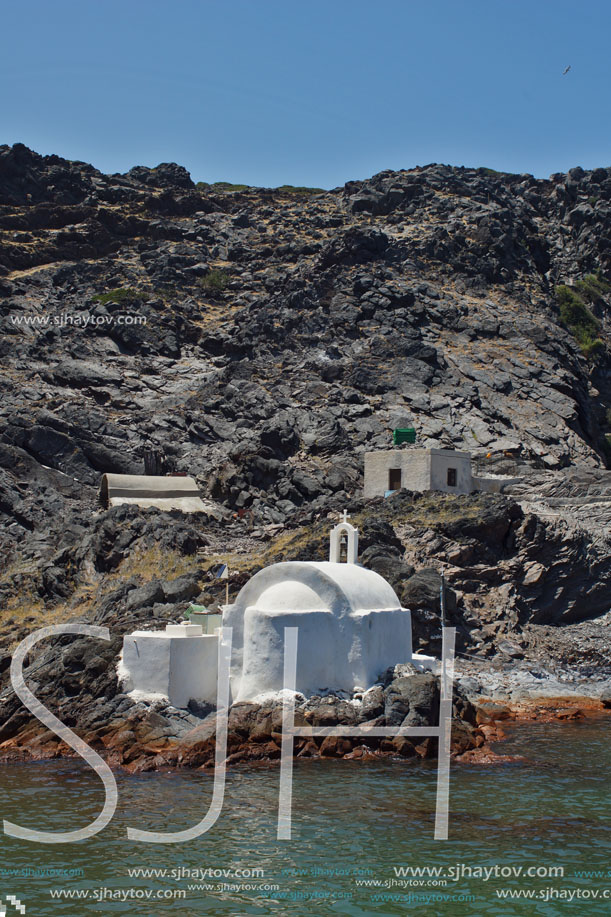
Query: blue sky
(313, 93)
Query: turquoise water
(352, 823)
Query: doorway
(394, 479)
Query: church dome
(290, 595)
(347, 621)
(298, 586)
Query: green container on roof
(404, 435)
(197, 609)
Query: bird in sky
(566, 70)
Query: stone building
(418, 469)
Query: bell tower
(344, 534)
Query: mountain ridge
(284, 334)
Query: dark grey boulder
(146, 596)
(182, 588)
(412, 700)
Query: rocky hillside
(262, 340)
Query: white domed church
(351, 624)
(350, 629)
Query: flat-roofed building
(418, 469)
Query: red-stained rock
(238, 757)
(490, 711)
(143, 764)
(427, 748)
(570, 713)
(335, 747)
(361, 753)
(485, 755)
(259, 751)
(404, 747)
(463, 737)
(309, 750)
(492, 732)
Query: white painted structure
(351, 625)
(164, 492)
(179, 663)
(351, 629)
(343, 530)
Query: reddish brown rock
(309, 750)
(361, 753)
(427, 748)
(463, 737)
(489, 712)
(485, 755)
(404, 747)
(335, 747)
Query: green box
(406, 435)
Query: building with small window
(418, 469)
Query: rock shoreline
(146, 736)
(286, 333)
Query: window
(451, 477)
(394, 479)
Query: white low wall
(493, 485)
(177, 667)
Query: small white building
(351, 624)
(418, 470)
(179, 663)
(351, 628)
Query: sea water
(526, 837)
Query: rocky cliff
(261, 340)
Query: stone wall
(414, 465)
(421, 469)
(493, 485)
(443, 459)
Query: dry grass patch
(151, 563)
